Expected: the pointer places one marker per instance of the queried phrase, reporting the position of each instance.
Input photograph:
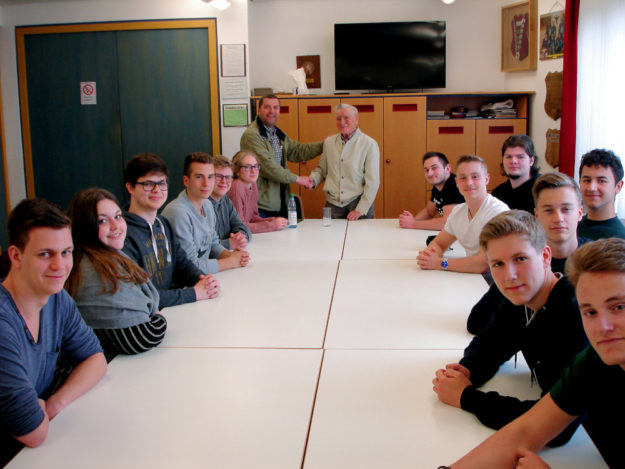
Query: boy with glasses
(150, 239)
(234, 234)
(193, 218)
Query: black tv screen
(389, 56)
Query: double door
(155, 92)
(483, 137)
(396, 124)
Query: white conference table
(310, 240)
(298, 364)
(392, 304)
(376, 409)
(188, 408)
(269, 303)
(384, 239)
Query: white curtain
(601, 81)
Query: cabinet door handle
(388, 160)
(450, 130)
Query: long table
(319, 354)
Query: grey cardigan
(130, 305)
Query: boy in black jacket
(541, 320)
(150, 239)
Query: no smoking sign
(88, 93)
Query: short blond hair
(471, 159)
(603, 255)
(220, 161)
(517, 222)
(238, 158)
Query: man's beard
(514, 176)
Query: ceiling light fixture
(448, 2)
(219, 4)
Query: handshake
(306, 181)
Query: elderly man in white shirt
(350, 166)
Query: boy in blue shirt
(39, 323)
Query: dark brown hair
(603, 255)
(196, 157)
(34, 213)
(111, 265)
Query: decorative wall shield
(553, 98)
(518, 36)
(552, 152)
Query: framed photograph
(552, 35)
(233, 60)
(310, 64)
(235, 115)
(518, 36)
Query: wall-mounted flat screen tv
(389, 56)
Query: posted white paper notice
(88, 93)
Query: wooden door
(73, 146)
(317, 121)
(164, 96)
(371, 122)
(489, 137)
(289, 124)
(404, 146)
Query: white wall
(280, 30)
(231, 29)
(535, 80)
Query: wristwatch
(444, 263)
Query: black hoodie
(171, 270)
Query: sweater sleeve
(372, 178)
(321, 171)
(495, 411)
(128, 306)
(182, 225)
(246, 206)
(297, 152)
(236, 225)
(495, 346)
(185, 275)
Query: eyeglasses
(249, 167)
(148, 186)
(221, 177)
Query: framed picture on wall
(552, 35)
(518, 36)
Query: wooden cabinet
(482, 137)
(289, 123)
(454, 138)
(489, 137)
(399, 124)
(316, 122)
(404, 145)
(371, 122)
